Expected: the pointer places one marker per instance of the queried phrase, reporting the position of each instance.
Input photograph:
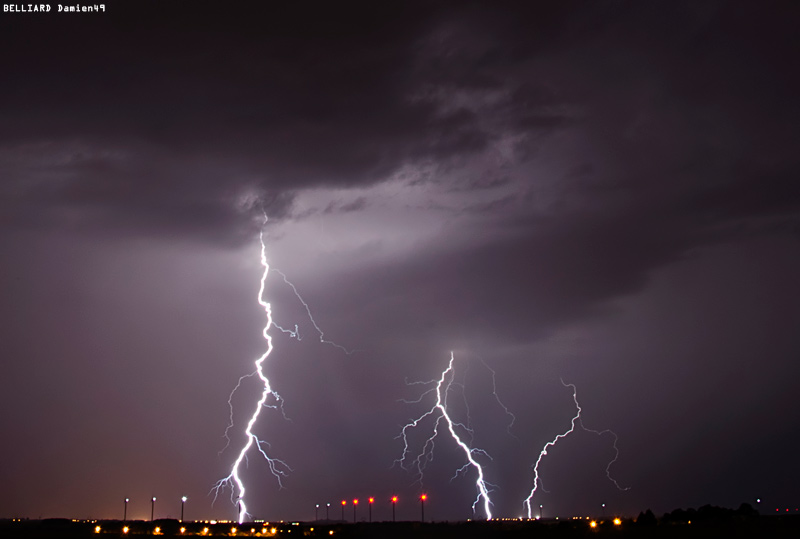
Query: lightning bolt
(278, 467)
(439, 414)
(296, 333)
(497, 398)
(269, 397)
(577, 421)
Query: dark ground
(726, 524)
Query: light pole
(328, 512)
(541, 511)
(343, 504)
(125, 511)
(603, 510)
(422, 505)
(394, 503)
(371, 499)
(183, 502)
(355, 504)
(316, 512)
(152, 507)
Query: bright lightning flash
(277, 467)
(269, 397)
(577, 421)
(439, 412)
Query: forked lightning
(577, 421)
(276, 466)
(269, 397)
(438, 412)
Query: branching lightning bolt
(577, 421)
(269, 397)
(278, 468)
(296, 332)
(439, 412)
(497, 398)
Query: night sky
(604, 193)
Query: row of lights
(234, 530)
(157, 530)
(152, 507)
(393, 499)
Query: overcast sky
(600, 193)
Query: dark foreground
(752, 526)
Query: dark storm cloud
(180, 124)
(676, 153)
(275, 98)
(267, 99)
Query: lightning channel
(296, 333)
(269, 398)
(577, 422)
(499, 402)
(438, 412)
